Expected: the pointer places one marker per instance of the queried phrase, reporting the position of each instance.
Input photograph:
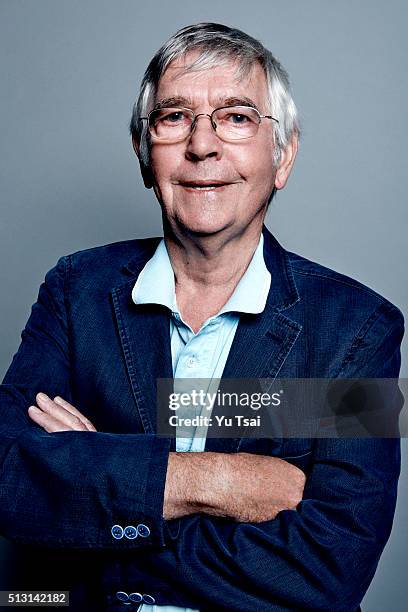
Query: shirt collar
(155, 284)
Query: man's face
(243, 169)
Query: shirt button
(191, 362)
(117, 532)
(122, 596)
(130, 532)
(136, 597)
(149, 600)
(143, 530)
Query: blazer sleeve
(321, 556)
(68, 489)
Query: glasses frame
(213, 124)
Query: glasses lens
(236, 122)
(170, 124)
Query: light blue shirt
(203, 354)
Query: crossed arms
(241, 486)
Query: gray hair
(217, 44)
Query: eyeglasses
(170, 125)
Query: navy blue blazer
(61, 493)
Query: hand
(241, 486)
(58, 415)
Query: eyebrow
(187, 102)
(239, 101)
(173, 101)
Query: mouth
(203, 185)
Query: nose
(203, 141)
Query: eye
(173, 117)
(238, 118)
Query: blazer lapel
(144, 333)
(262, 342)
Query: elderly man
(241, 523)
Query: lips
(203, 185)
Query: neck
(211, 263)
(207, 271)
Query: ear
(146, 173)
(286, 162)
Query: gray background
(70, 71)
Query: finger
(57, 412)
(46, 421)
(59, 400)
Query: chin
(202, 231)
(205, 227)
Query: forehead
(213, 85)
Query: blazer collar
(283, 292)
(134, 266)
